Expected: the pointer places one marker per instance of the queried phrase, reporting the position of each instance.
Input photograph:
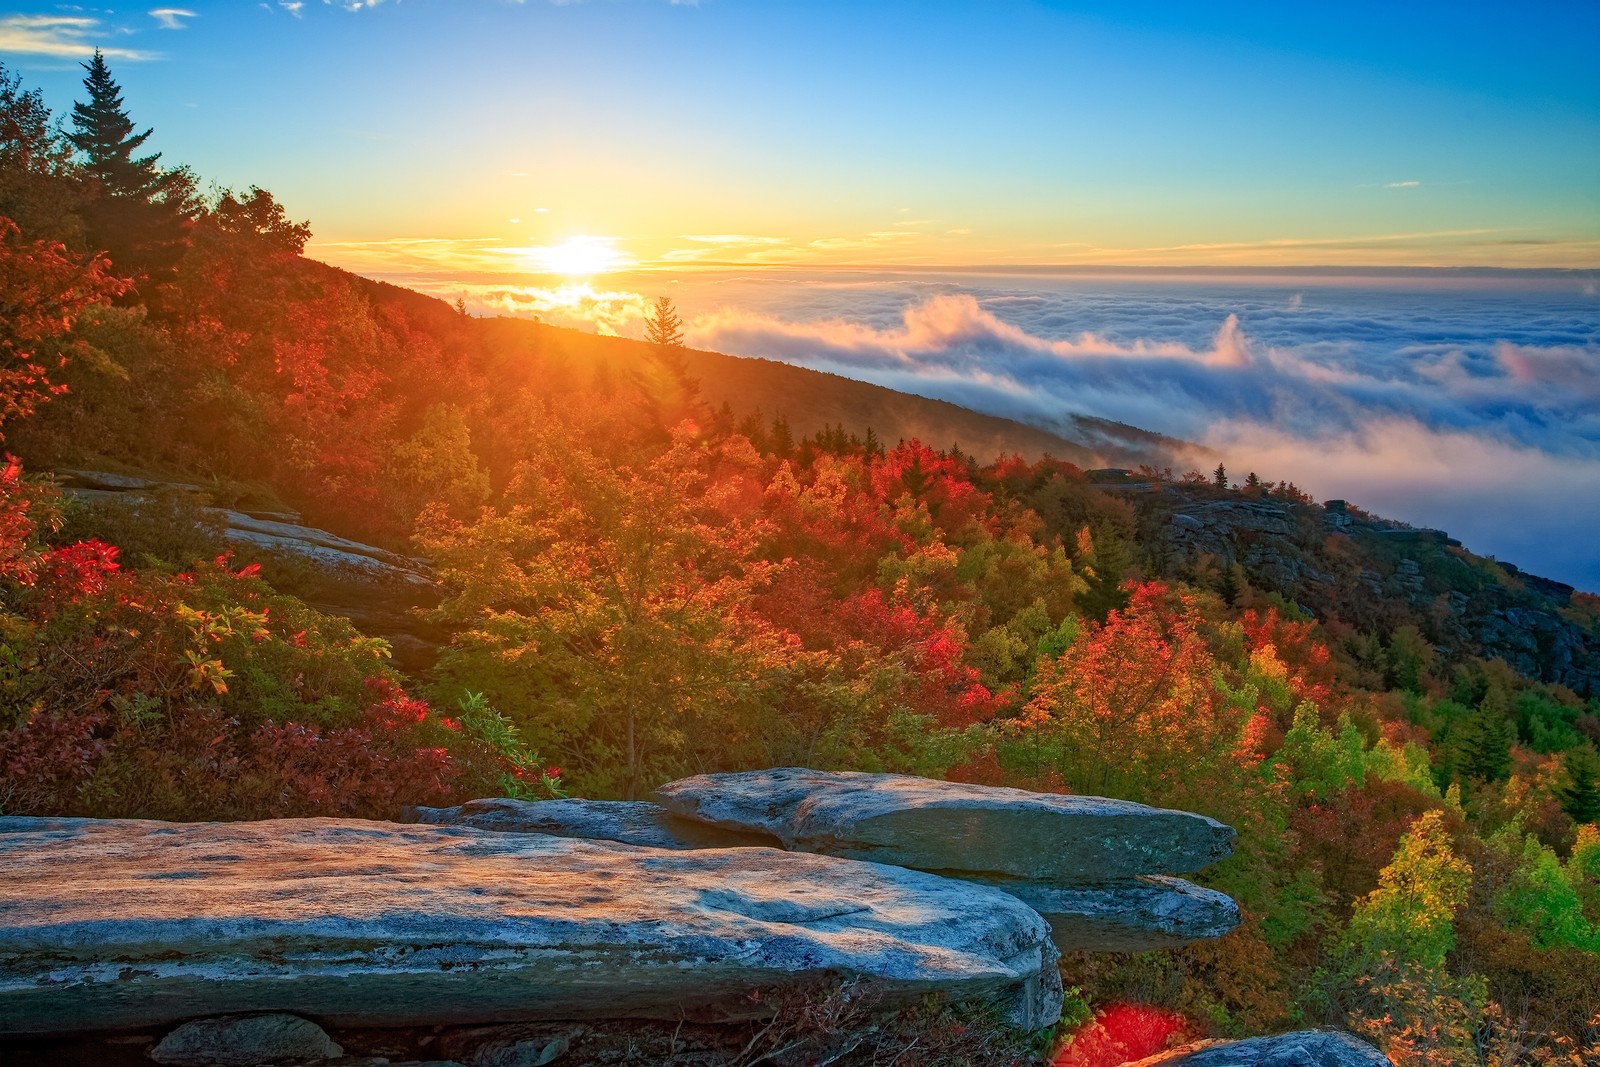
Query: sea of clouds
(1464, 402)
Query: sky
(471, 137)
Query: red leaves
(43, 290)
(1122, 1033)
(1298, 647)
(80, 570)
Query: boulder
(629, 822)
(245, 1041)
(1135, 915)
(1303, 1048)
(119, 924)
(952, 827)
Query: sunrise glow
(577, 257)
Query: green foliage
(1410, 916)
(1542, 897)
(1580, 794)
(1318, 761)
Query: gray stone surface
(1302, 1048)
(952, 827)
(1135, 915)
(121, 924)
(629, 822)
(245, 1041)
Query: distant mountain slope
(811, 400)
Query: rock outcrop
(111, 924)
(950, 827)
(1134, 915)
(629, 822)
(379, 591)
(245, 1041)
(1303, 1048)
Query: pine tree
(104, 134)
(1484, 744)
(1109, 560)
(663, 326)
(139, 212)
(1220, 476)
(1580, 797)
(1228, 584)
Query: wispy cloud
(1402, 185)
(62, 36)
(171, 18)
(1481, 416)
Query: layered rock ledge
(116, 924)
(964, 830)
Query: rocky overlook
(1336, 561)
(206, 943)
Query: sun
(578, 257)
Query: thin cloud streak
(60, 36)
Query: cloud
(608, 312)
(1402, 185)
(64, 36)
(1468, 404)
(171, 18)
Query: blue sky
(429, 134)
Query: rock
(629, 822)
(520, 1053)
(245, 1041)
(952, 827)
(117, 924)
(1136, 915)
(1303, 1048)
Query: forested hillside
(640, 579)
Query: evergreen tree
(1108, 560)
(1580, 797)
(782, 438)
(663, 326)
(103, 132)
(139, 212)
(1228, 584)
(1484, 744)
(871, 445)
(1220, 477)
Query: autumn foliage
(635, 587)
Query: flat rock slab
(1136, 915)
(120, 924)
(630, 822)
(952, 827)
(1302, 1048)
(245, 1041)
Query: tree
(37, 190)
(1580, 797)
(1219, 477)
(43, 291)
(139, 211)
(663, 326)
(607, 609)
(262, 219)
